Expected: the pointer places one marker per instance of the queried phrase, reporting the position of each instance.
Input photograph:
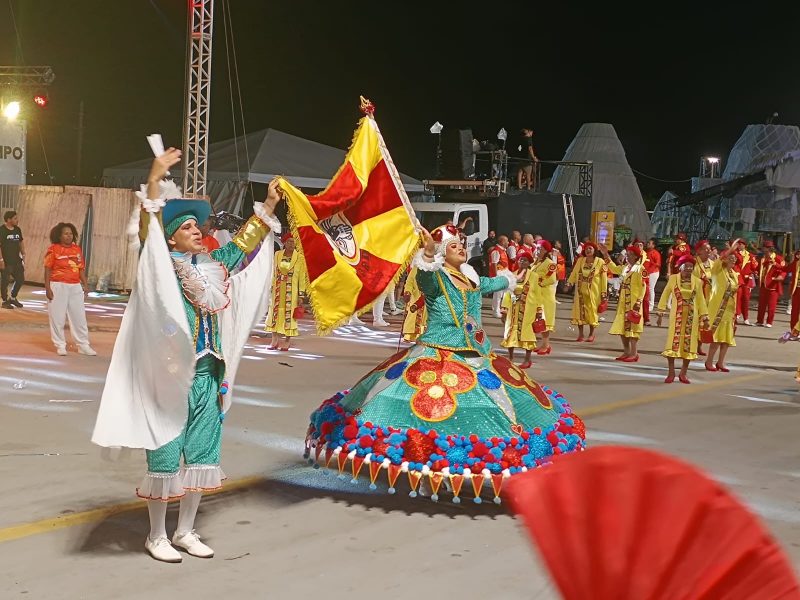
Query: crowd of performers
(446, 411)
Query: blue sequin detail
(396, 371)
(489, 380)
(469, 327)
(457, 455)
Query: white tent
(614, 187)
(255, 158)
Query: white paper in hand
(156, 145)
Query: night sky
(674, 85)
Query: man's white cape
(145, 399)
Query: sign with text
(13, 156)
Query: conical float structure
(614, 187)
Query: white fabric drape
(144, 402)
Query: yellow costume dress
(416, 315)
(522, 312)
(722, 304)
(544, 292)
(687, 307)
(591, 283)
(287, 285)
(631, 290)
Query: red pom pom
(478, 467)
(350, 421)
(473, 439)
(380, 447)
(495, 441)
(537, 431)
(479, 449)
(579, 427)
(418, 447)
(368, 425)
(514, 441)
(526, 436)
(349, 432)
(379, 432)
(489, 457)
(365, 441)
(556, 450)
(432, 434)
(326, 428)
(503, 464)
(512, 456)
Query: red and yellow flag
(357, 235)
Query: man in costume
(542, 281)
(653, 268)
(770, 282)
(182, 335)
(680, 248)
(514, 244)
(498, 262)
(793, 269)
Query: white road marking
(764, 400)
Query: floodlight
(437, 127)
(502, 134)
(712, 160)
(11, 110)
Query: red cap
(634, 250)
(700, 244)
(286, 235)
(769, 244)
(526, 255)
(686, 258)
(548, 247)
(590, 245)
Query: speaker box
(457, 155)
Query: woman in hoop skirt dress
(448, 408)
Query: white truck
(434, 214)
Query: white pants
(653, 277)
(497, 299)
(380, 303)
(67, 303)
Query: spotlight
(11, 110)
(437, 128)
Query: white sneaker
(61, 351)
(380, 324)
(396, 311)
(87, 350)
(354, 320)
(190, 542)
(747, 322)
(767, 324)
(161, 549)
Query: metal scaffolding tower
(25, 77)
(197, 107)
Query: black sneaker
(16, 302)
(7, 304)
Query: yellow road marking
(16, 532)
(672, 392)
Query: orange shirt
(65, 263)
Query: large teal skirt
(440, 414)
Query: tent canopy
(614, 187)
(257, 158)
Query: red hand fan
(616, 523)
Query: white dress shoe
(162, 550)
(190, 542)
(87, 350)
(380, 324)
(61, 351)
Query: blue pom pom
(435, 497)
(391, 490)
(372, 486)
(354, 480)
(497, 500)
(477, 500)
(456, 500)
(412, 494)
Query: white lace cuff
(510, 277)
(168, 190)
(420, 263)
(270, 220)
